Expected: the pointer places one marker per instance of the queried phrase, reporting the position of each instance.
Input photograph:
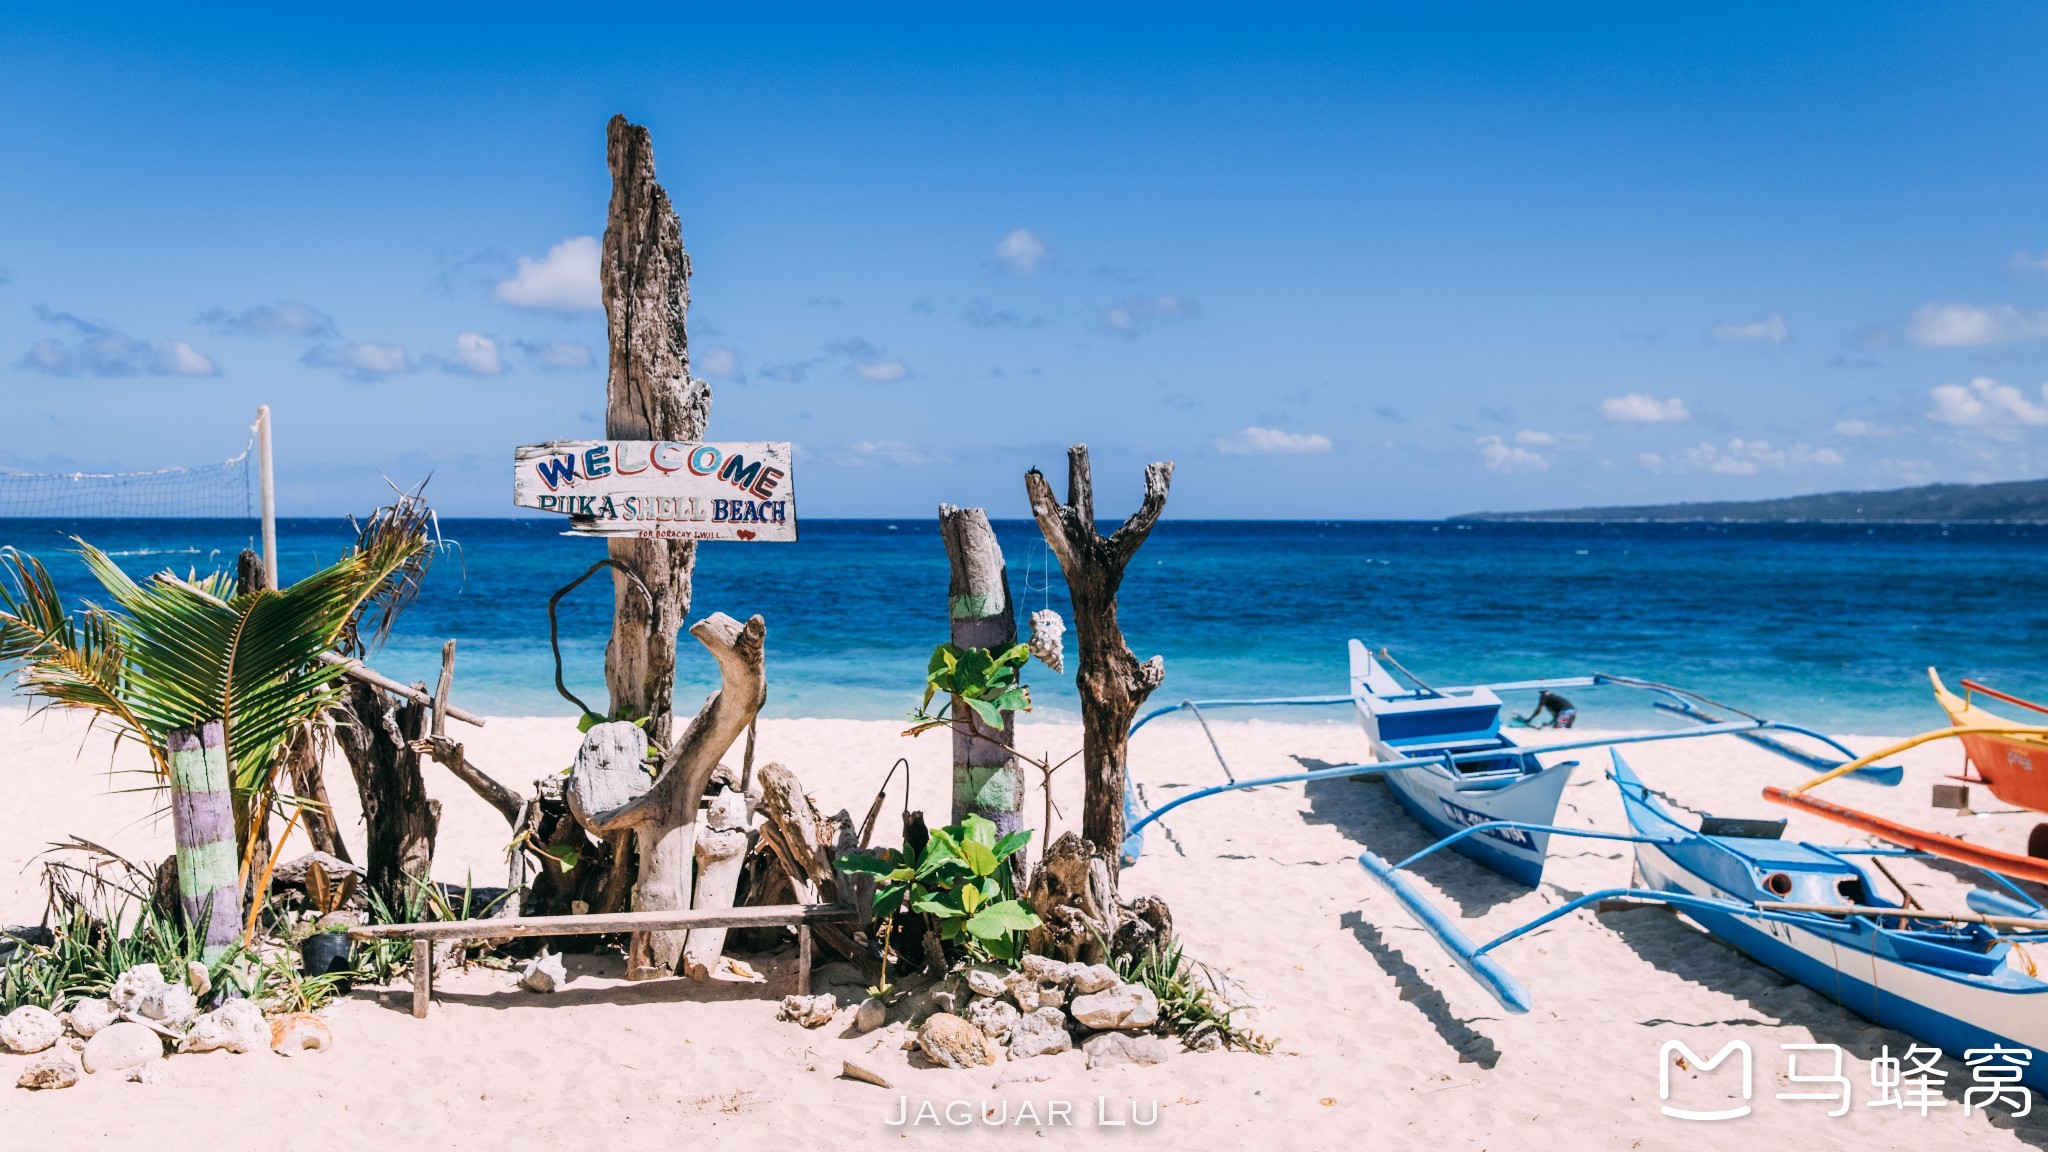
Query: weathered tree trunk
(987, 781)
(399, 820)
(1112, 683)
(649, 396)
(609, 793)
(203, 822)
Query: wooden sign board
(661, 489)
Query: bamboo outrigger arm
(1949, 847)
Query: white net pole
(269, 489)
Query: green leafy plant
(962, 881)
(281, 987)
(1188, 1004)
(988, 683)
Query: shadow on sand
(1471, 1045)
(1365, 810)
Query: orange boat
(2014, 767)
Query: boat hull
(2015, 770)
(1947, 1013)
(1434, 798)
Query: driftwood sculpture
(987, 780)
(721, 850)
(1112, 683)
(609, 793)
(645, 276)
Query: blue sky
(1372, 262)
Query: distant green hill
(2020, 500)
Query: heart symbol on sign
(744, 533)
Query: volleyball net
(225, 490)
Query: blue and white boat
(1444, 756)
(1413, 721)
(1957, 981)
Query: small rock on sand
(1042, 1033)
(992, 1016)
(89, 1016)
(48, 1072)
(1112, 1048)
(1132, 1006)
(237, 1026)
(299, 1032)
(29, 1029)
(951, 1042)
(1095, 978)
(985, 980)
(871, 1014)
(809, 1011)
(121, 1046)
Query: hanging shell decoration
(1046, 630)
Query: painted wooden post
(203, 821)
(987, 780)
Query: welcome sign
(661, 489)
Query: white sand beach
(1382, 1043)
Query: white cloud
(1741, 457)
(862, 453)
(1986, 402)
(1256, 441)
(282, 319)
(177, 358)
(361, 361)
(1022, 251)
(1532, 438)
(565, 280)
(1639, 408)
(476, 355)
(557, 355)
(1863, 428)
(1500, 456)
(1126, 318)
(96, 349)
(1770, 330)
(882, 370)
(1970, 325)
(2023, 261)
(719, 364)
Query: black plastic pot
(325, 952)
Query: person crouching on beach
(1562, 714)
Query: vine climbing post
(987, 780)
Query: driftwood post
(987, 780)
(381, 739)
(609, 792)
(1112, 683)
(203, 822)
(649, 396)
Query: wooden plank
(422, 977)
(803, 960)
(357, 670)
(441, 690)
(604, 923)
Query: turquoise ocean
(1829, 625)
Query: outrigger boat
(1449, 764)
(1954, 980)
(2015, 767)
